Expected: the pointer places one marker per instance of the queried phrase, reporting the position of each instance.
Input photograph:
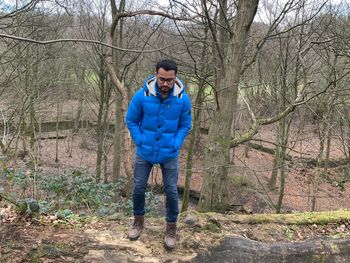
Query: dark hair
(167, 64)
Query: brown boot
(170, 236)
(137, 227)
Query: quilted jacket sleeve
(185, 123)
(134, 116)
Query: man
(159, 118)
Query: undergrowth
(72, 192)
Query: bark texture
(242, 250)
(217, 155)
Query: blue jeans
(170, 172)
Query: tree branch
(144, 12)
(297, 102)
(24, 8)
(77, 40)
(256, 124)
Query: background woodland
(268, 82)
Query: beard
(164, 89)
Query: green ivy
(75, 190)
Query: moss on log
(305, 218)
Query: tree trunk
(126, 150)
(117, 39)
(105, 168)
(57, 130)
(328, 145)
(344, 134)
(105, 125)
(100, 126)
(320, 162)
(214, 193)
(126, 139)
(281, 161)
(196, 128)
(39, 142)
(193, 136)
(273, 179)
(31, 127)
(342, 137)
(117, 139)
(19, 131)
(80, 105)
(284, 124)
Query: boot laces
(171, 230)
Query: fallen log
(306, 218)
(243, 250)
(54, 137)
(264, 149)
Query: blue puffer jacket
(159, 126)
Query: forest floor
(255, 168)
(95, 240)
(104, 240)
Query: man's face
(165, 79)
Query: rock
(213, 225)
(243, 250)
(190, 243)
(155, 230)
(52, 218)
(34, 206)
(59, 215)
(103, 211)
(190, 220)
(67, 212)
(115, 217)
(246, 209)
(82, 214)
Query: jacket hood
(151, 82)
